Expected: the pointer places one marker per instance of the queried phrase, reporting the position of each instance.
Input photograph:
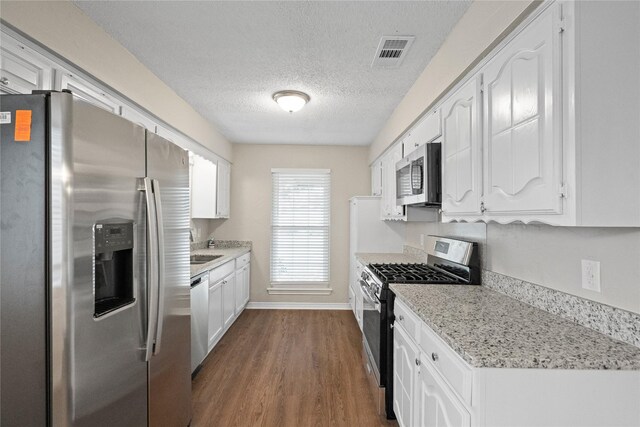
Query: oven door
(371, 321)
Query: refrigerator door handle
(160, 265)
(152, 267)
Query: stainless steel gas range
(449, 262)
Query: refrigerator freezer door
(108, 375)
(23, 266)
(169, 367)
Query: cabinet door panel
(437, 406)
(461, 170)
(389, 207)
(404, 374)
(138, 118)
(203, 188)
(21, 69)
(224, 188)
(215, 313)
(239, 284)
(522, 129)
(228, 299)
(247, 285)
(87, 91)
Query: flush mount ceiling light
(291, 100)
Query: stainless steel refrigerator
(94, 277)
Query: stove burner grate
(411, 273)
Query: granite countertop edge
(228, 254)
(482, 358)
(485, 312)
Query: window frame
(300, 287)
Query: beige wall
(251, 207)
(480, 28)
(65, 30)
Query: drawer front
(407, 319)
(448, 364)
(243, 260)
(219, 272)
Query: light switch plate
(591, 275)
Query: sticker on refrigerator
(5, 117)
(23, 126)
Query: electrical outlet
(422, 240)
(591, 275)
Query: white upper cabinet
(223, 189)
(426, 130)
(461, 153)
(522, 139)
(21, 69)
(376, 178)
(203, 187)
(138, 118)
(559, 122)
(389, 210)
(87, 91)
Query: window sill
(306, 290)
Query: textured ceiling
(226, 59)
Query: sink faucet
(191, 235)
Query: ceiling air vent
(391, 51)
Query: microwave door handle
(160, 265)
(152, 268)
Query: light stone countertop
(491, 330)
(227, 255)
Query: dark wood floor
(286, 368)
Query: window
(300, 229)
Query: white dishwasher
(199, 319)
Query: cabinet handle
(401, 318)
(415, 144)
(482, 208)
(434, 357)
(417, 362)
(4, 81)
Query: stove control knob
(417, 362)
(401, 318)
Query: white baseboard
(297, 306)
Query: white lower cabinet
(228, 295)
(405, 363)
(215, 314)
(243, 281)
(436, 405)
(434, 387)
(352, 300)
(228, 299)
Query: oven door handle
(371, 299)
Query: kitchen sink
(202, 259)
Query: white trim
(288, 170)
(299, 291)
(258, 305)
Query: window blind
(300, 226)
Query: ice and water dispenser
(113, 272)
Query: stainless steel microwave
(418, 177)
